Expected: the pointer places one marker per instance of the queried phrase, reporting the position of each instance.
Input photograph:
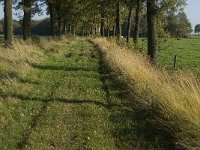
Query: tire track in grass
(104, 72)
(78, 118)
(35, 120)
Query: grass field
(186, 49)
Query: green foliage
(178, 25)
(37, 7)
(164, 39)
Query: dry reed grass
(174, 95)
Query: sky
(192, 10)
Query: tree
(29, 8)
(152, 37)
(117, 20)
(155, 8)
(8, 25)
(178, 25)
(185, 27)
(76, 16)
(26, 19)
(139, 4)
(102, 9)
(52, 16)
(107, 16)
(130, 8)
(59, 16)
(197, 29)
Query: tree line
(38, 27)
(104, 18)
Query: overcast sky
(192, 10)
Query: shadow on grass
(132, 128)
(33, 124)
(62, 68)
(29, 81)
(36, 118)
(60, 100)
(121, 117)
(103, 71)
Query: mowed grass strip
(75, 117)
(60, 104)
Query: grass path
(69, 101)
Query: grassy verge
(169, 104)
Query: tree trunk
(129, 21)
(108, 33)
(114, 31)
(117, 21)
(108, 28)
(8, 24)
(52, 18)
(59, 25)
(152, 36)
(64, 27)
(137, 22)
(102, 29)
(59, 18)
(95, 30)
(82, 31)
(27, 19)
(74, 31)
(70, 29)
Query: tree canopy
(105, 18)
(178, 25)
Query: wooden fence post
(175, 61)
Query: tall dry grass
(175, 95)
(50, 44)
(16, 61)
